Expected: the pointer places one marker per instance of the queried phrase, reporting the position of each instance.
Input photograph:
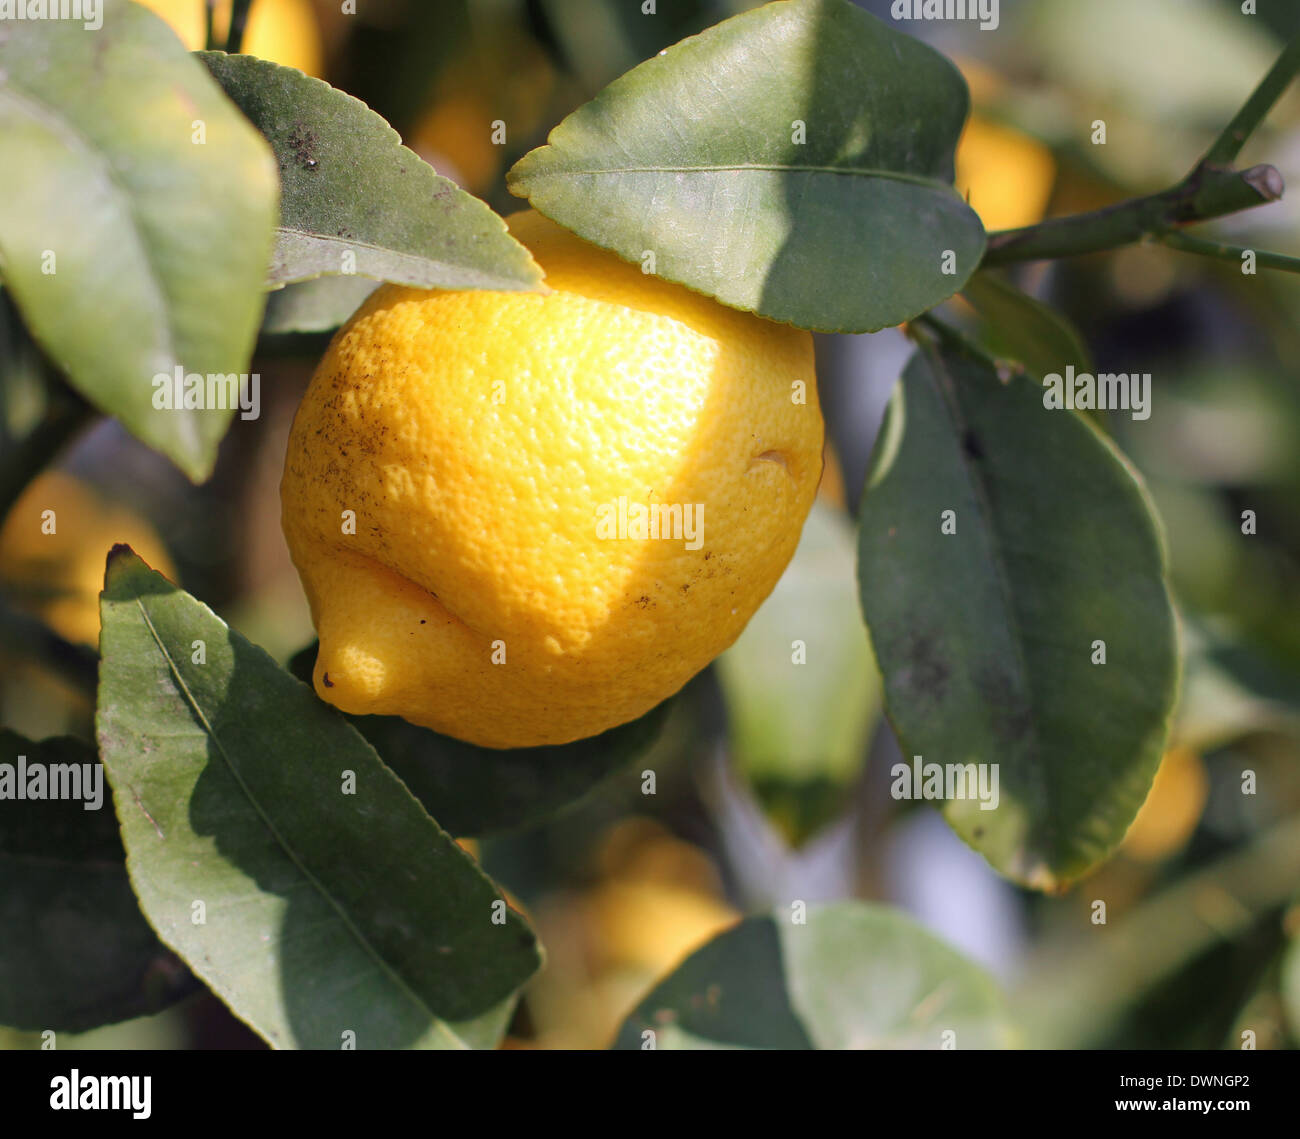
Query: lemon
(1172, 809)
(1006, 175)
(469, 484)
(283, 31)
(53, 546)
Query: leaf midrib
(732, 167)
(281, 842)
(1001, 572)
(96, 156)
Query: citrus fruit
(283, 31)
(53, 546)
(1006, 175)
(524, 518)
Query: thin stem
(1228, 145)
(66, 416)
(209, 32)
(1189, 244)
(1205, 193)
(238, 22)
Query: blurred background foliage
(772, 776)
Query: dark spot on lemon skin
(325, 680)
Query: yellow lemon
(52, 550)
(491, 94)
(524, 518)
(283, 31)
(1006, 174)
(1172, 809)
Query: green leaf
(1019, 327)
(159, 244)
(853, 976)
(695, 156)
(473, 790)
(319, 305)
(334, 904)
(987, 636)
(76, 951)
(351, 190)
(799, 729)
(1229, 690)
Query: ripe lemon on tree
(465, 474)
(53, 545)
(283, 31)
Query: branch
(1189, 244)
(1228, 145)
(1207, 192)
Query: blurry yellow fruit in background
(657, 901)
(1006, 175)
(57, 576)
(455, 138)
(1172, 808)
(507, 83)
(283, 31)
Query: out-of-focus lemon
(283, 31)
(492, 97)
(657, 900)
(53, 546)
(1006, 175)
(1172, 809)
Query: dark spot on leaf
(303, 144)
(971, 445)
(927, 669)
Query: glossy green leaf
(987, 637)
(76, 951)
(801, 688)
(331, 903)
(852, 976)
(355, 200)
(795, 161)
(1022, 328)
(481, 790)
(131, 246)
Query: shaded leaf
(854, 976)
(76, 951)
(159, 245)
(1022, 328)
(330, 907)
(795, 161)
(319, 305)
(480, 790)
(349, 188)
(799, 728)
(987, 636)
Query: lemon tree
(556, 455)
